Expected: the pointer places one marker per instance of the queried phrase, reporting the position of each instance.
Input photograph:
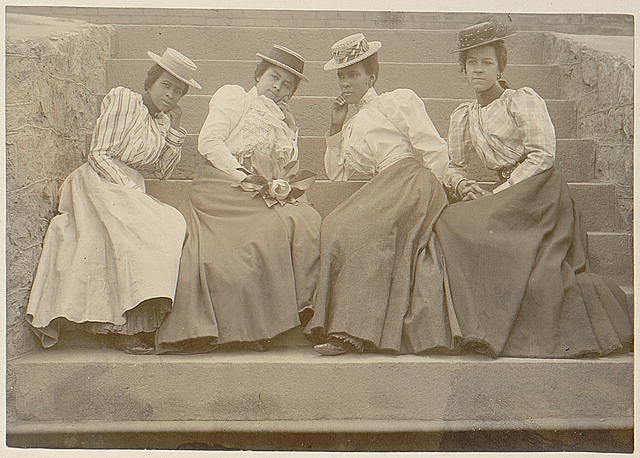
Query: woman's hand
(470, 190)
(339, 109)
(174, 116)
(288, 114)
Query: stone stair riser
(313, 113)
(296, 384)
(596, 201)
(241, 43)
(574, 158)
(611, 254)
(427, 80)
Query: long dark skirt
(247, 271)
(517, 270)
(374, 247)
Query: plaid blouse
(514, 128)
(125, 132)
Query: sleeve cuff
(175, 137)
(456, 183)
(502, 187)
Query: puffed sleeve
(171, 151)
(537, 133)
(457, 167)
(116, 117)
(407, 112)
(225, 112)
(334, 162)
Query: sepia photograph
(294, 229)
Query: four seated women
(394, 268)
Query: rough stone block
(45, 136)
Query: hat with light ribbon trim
(482, 34)
(351, 50)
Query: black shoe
(258, 345)
(331, 348)
(136, 344)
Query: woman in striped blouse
(110, 259)
(515, 257)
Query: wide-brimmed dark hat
(482, 34)
(286, 59)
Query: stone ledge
(606, 24)
(84, 386)
(297, 426)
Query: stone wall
(601, 24)
(598, 74)
(53, 69)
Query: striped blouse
(515, 128)
(126, 132)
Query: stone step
(312, 113)
(294, 389)
(427, 80)
(241, 43)
(575, 158)
(596, 201)
(611, 254)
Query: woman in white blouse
(516, 257)
(377, 242)
(110, 259)
(249, 266)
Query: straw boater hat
(482, 34)
(350, 50)
(286, 59)
(177, 64)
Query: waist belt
(505, 172)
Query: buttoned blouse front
(127, 133)
(514, 129)
(386, 128)
(241, 124)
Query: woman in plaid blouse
(110, 259)
(515, 257)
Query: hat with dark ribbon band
(350, 50)
(482, 34)
(177, 64)
(286, 59)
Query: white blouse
(387, 128)
(514, 128)
(241, 124)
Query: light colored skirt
(111, 249)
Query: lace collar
(366, 98)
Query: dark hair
(262, 67)
(501, 54)
(371, 66)
(154, 73)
